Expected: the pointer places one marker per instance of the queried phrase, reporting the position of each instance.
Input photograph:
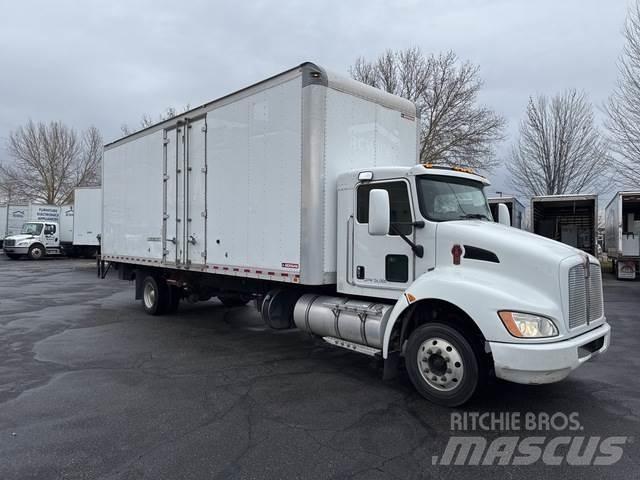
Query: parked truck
(570, 219)
(516, 209)
(13, 216)
(302, 192)
(71, 230)
(622, 234)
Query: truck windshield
(31, 228)
(451, 198)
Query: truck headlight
(22, 244)
(527, 325)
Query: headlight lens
(526, 325)
(22, 244)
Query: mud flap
(390, 367)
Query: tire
(36, 252)
(443, 365)
(155, 295)
(277, 308)
(234, 300)
(13, 256)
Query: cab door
(50, 233)
(384, 262)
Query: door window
(49, 229)
(399, 203)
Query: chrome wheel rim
(36, 252)
(149, 295)
(440, 364)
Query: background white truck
(302, 191)
(12, 217)
(515, 207)
(570, 219)
(622, 234)
(70, 230)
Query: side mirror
(503, 215)
(379, 212)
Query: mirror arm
(417, 249)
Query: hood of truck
(510, 245)
(20, 237)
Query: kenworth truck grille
(585, 295)
(10, 243)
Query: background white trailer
(246, 185)
(87, 221)
(570, 219)
(65, 224)
(622, 233)
(516, 210)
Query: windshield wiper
(475, 215)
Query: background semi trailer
(302, 192)
(622, 233)
(570, 219)
(71, 230)
(516, 210)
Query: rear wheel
(155, 295)
(36, 252)
(443, 365)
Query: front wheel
(36, 252)
(443, 365)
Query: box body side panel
(254, 161)
(87, 218)
(132, 198)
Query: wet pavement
(92, 387)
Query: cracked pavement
(92, 387)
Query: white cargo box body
(3, 221)
(66, 224)
(622, 225)
(17, 215)
(44, 213)
(246, 185)
(87, 216)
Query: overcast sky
(107, 63)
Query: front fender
(480, 294)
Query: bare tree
(50, 161)
(623, 107)
(147, 120)
(455, 129)
(560, 150)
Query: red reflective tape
(259, 271)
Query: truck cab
(469, 295)
(35, 240)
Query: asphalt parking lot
(91, 387)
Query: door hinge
(166, 141)
(203, 254)
(165, 177)
(204, 214)
(165, 216)
(204, 128)
(204, 169)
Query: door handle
(192, 240)
(172, 240)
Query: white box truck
(516, 210)
(302, 191)
(71, 230)
(570, 219)
(622, 234)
